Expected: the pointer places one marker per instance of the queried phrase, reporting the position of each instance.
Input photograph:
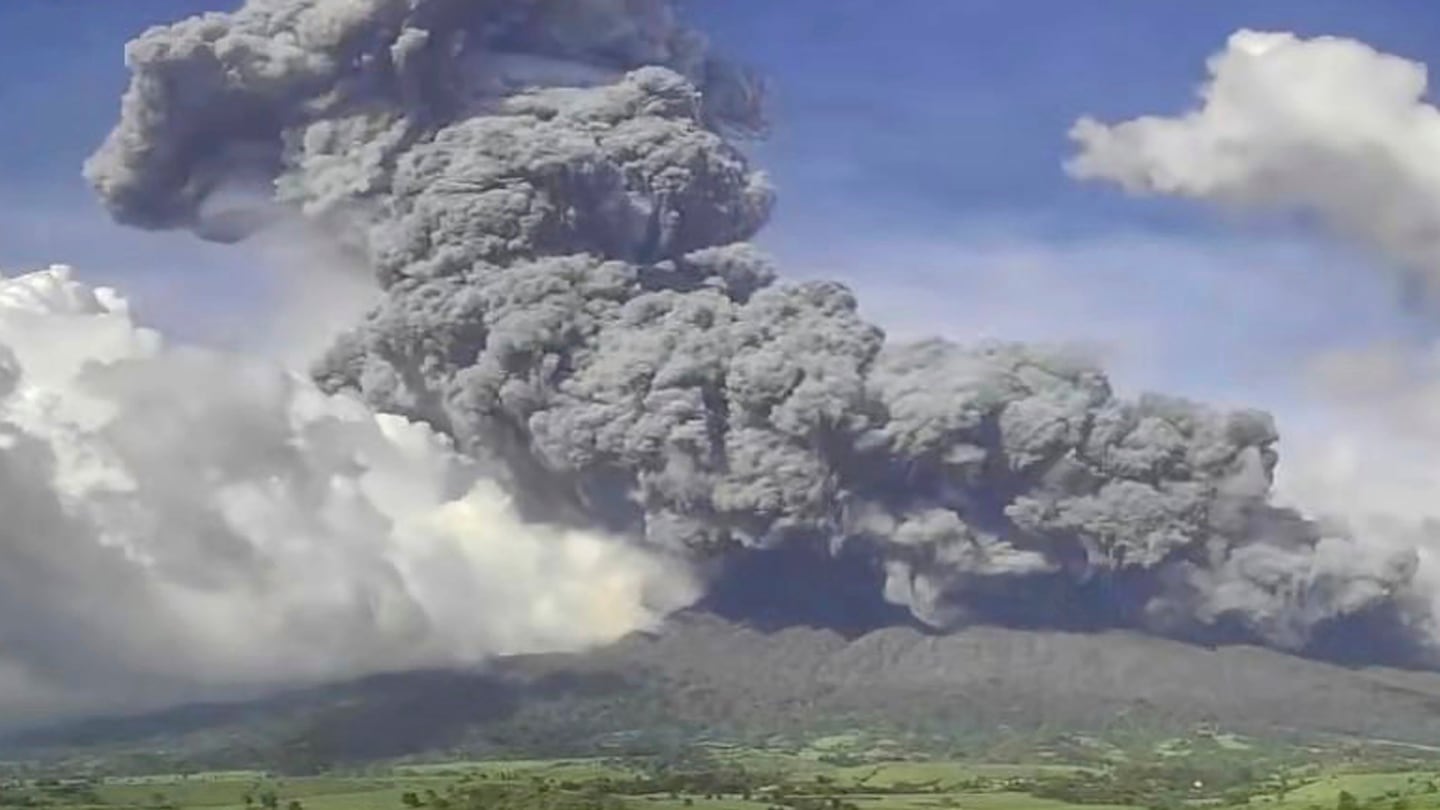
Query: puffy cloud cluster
(182, 523)
(560, 235)
(1327, 127)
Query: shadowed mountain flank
(701, 677)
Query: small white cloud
(1326, 127)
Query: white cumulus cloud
(1325, 127)
(183, 523)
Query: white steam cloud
(181, 523)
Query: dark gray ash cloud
(549, 196)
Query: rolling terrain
(702, 678)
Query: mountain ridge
(699, 676)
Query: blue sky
(917, 147)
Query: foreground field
(824, 776)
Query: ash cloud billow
(549, 197)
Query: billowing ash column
(546, 192)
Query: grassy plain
(832, 774)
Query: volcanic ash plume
(183, 524)
(546, 193)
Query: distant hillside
(701, 676)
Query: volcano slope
(701, 677)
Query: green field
(836, 773)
